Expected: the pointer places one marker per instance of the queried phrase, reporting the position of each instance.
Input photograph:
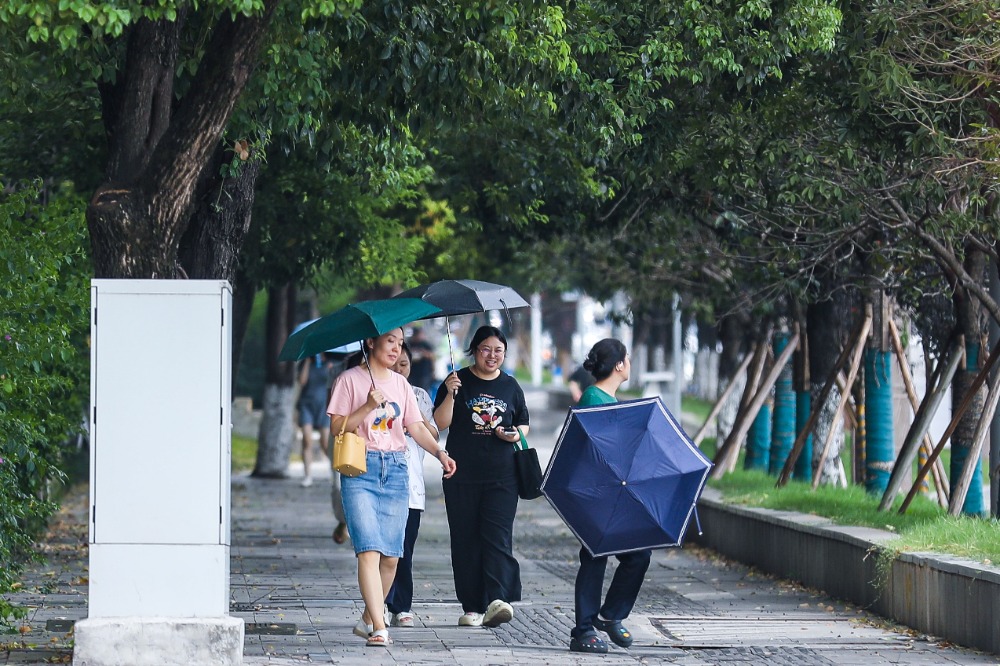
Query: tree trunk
(244, 292)
(277, 429)
(159, 148)
(560, 320)
(733, 336)
(783, 419)
(969, 319)
(802, 386)
(758, 455)
(824, 328)
(210, 247)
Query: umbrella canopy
(458, 297)
(342, 350)
(365, 319)
(625, 477)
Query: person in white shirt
(400, 599)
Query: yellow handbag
(350, 454)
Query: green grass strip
(925, 527)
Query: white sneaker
(471, 619)
(498, 613)
(307, 481)
(402, 619)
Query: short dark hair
(482, 333)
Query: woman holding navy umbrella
(609, 363)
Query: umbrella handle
(447, 332)
(369, 368)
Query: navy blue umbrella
(625, 476)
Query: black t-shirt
(480, 406)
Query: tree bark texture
(971, 323)
(824, 327)
(159, 149)
(244, 291)
(733, 334)
(277, 426)
(221, 219)
(277, 432)
(559, 318)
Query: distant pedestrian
(377, 403)
(422, 371)
(483, 408)
(609, 363)
(400, 599)
(315, 378)
(579, 381)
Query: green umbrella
(365, 319)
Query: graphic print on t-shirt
(487, 412)
(385, 415)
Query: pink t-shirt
(382, 427)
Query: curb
(950, 597)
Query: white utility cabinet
(160, 448)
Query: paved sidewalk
(297, 591)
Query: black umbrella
(459, 297)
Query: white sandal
(362, 630)
(379, 638)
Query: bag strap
(524, 443)
(343, 427)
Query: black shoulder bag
(529, 472)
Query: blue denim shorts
(314, 414)
(376, 504)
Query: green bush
(44, 323)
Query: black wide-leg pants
(481, 522)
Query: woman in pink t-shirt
(378, 404)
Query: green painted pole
(803, 408)
(759, 440)
(974, 504)
(880, 452)
(783, 418)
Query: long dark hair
(354, 360)
(603, 358)
(482, 333)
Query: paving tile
(694, 609)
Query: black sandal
(588, 642)
(618, 634)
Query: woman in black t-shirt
(483, 407)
